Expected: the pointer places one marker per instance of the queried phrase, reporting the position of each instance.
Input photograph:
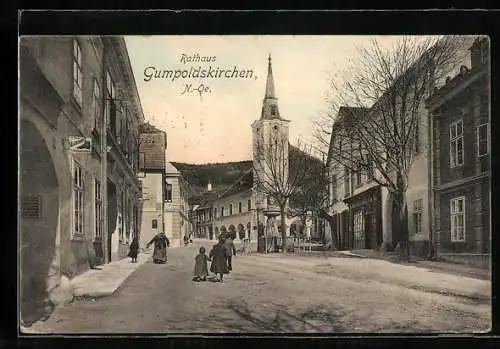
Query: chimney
(476, 52)
(209, 186)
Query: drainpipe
(104, 159)
(430, 203)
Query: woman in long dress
(218, 254)
(160, 248)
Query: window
(215, 212)
(347, 182)
(96, 105)
(110, 97)
(457, 216)
(110, 85)
(77, 200)
(168, 192)
(333, 189)
(359, 225)
(249, 205)
(98, 210)
(222, 211)
(482, 140)
(357, 178)
(417, 216)
(456, 144)
(239, 207)
(77, 72)
(273, 112)
(230, 209)
(154, 224)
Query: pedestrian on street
(134, 249)
(218, 254)
(201, 266)
(160, 248)
(229, 243)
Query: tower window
(273, 110)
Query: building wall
(152, 206)
(237, 219)
(123, 142)
(418, 189)
(176, 211)
(472, 179)
(49, 114)
(71, 120)
(204, 222)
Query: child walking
(201, 266)
(134, 249)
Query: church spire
(270, 103)
(270, 80)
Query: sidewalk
(100, 282)
(106, 280)
(445, 267)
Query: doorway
(368, 230)
(39, 198)
(112, 216)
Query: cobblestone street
(273, 293)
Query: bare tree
(279, 173)
(376, 111)
(312, 196)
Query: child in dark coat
(201, 266)
(134, 250)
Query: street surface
(273, 293)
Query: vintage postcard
(254, 184)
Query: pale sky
(216, 127)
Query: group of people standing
(221, 257)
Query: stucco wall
(50, 115)
(152, 195)
(237, 218)
(176, 211)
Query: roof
(152, 151)
(464, 77)
(343, 114)
(148, 128)
(242, 184)
(204, 200)
(171, 169)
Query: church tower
(270, 138)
